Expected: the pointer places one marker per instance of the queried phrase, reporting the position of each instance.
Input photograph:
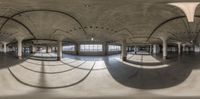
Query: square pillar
(154, 49)
(59, 51)
(77, 48)
(164, 49)
(179, 48)
(4, 47)
(124, 51)
(19, 52)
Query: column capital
(164, 38)
(5, 43)
(183, 44)
(123, 41)
(19, 39)
(179, 43)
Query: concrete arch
(46, 10)
(166, 21)
(17, 21)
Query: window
(91, 47)
(69, 48)
(114, 48)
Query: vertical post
(56, 49)
(183, 50)
(33, 49)
(179, 48)
(19, 48)
(150, 49)
(77, 48)
(4, 47)
(59, 51)
(47, 49)
(105, 48)
(154, 49)
(124, 51)
(52, 49)
(164, 48)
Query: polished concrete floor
(142, 76)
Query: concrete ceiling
(105, 20)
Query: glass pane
(87, 48)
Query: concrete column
(124, 51)
(56, 49)
(4, 47)
(19, 41)
(33, 49)
(52, 49)
(59, 51)
(154, 49)
(77, 48)
(183, 50)
(164, 48)
(179, 48)
(47, 49)
(150, 49)
(106, 48)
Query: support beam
(47, 49)
(105, 48)
(154, 49)
(56, 49)
(77, 48)
(164, 49)
(179, 48)
(33, 49)
(5, 47)
(59, 51)
(19, 52)
(150, 49)
(184, 49)
(136, 49)
(124, 51)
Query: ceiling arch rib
(18, 22)
(46, 10)
(165, 22)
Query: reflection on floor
(142, 76)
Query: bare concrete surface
(84, 77)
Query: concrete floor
(142, 76)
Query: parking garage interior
(99, 49)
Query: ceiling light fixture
(92, 38)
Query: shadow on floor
(8, 59)
(177, 71)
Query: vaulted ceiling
(105, 20)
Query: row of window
(114, 48)
(92, 48)
(69, 48)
